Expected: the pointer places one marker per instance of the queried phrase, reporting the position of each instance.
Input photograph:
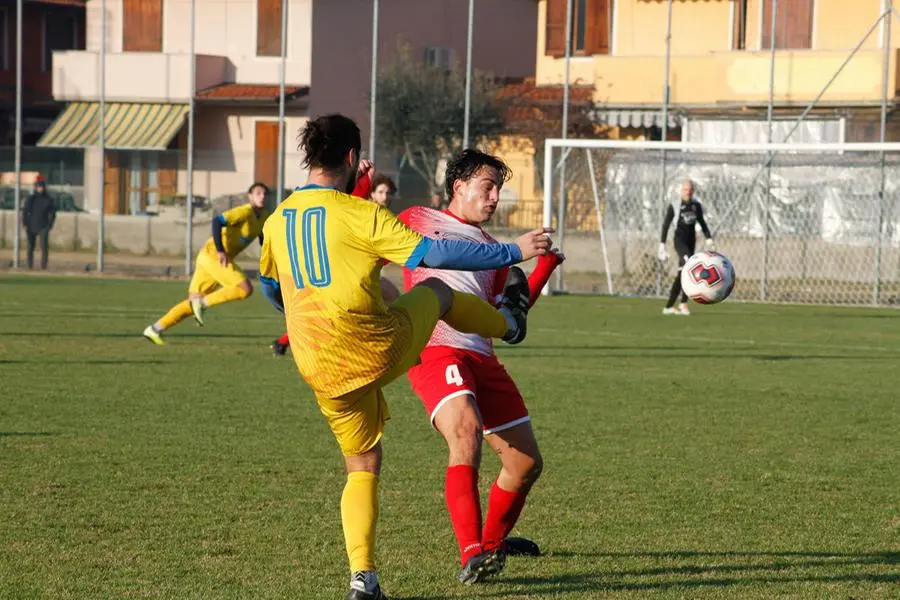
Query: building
(720, 66)
(47, 26)
(237, 71)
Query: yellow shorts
(209, 274)
(357, 419)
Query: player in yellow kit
(321, 261)
(217, 279)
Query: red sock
(464, 506)
(503, 511)
(284, 341)
(541, 274)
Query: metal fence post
(373, 101)
(18, 167)
(102, 137)
(279, 175)
(764, 279)
(561, 208)
(885, 80)
(664, 129)
(189, 228)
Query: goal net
(802, 223)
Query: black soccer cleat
(515, 303)
(278, 349)
(362, 580)
(519, 546)
(482, 566)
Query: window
(60, 33)
(142, 26)
(793, 25)
(440, 57)
(138, 179)
(268, 27)
(4, 45)
(739, 26)
(591, 27)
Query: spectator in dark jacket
(38, 218)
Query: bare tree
(421, 111)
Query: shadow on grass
(87, 361)
(136, 336)
(690, 574)
(678, 353)
(27, 434)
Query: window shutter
(793, 29)
(556, 28)
(268, 27)
(597, 27)
(142, 26)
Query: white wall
(223, 28)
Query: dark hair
(326, 141)
(259, 184)
(382, 179)
(466, 165)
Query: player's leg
(446, 385)
(682, 252)
(201, 283)
(357, 421)
(509, 433)
(687, 251)
(234, 286)
(279, 347)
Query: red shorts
(447, 373)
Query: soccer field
(745, 452)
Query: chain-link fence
(806, 227)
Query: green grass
(746, 452)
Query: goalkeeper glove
(710, 245)
(662, 254)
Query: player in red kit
(467, 393)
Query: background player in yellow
(217, 279)
(321, 262)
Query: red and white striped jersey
(487, 285)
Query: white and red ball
(707, 277)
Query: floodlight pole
(561, 208)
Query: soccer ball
(707, 277)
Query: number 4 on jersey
(315, 254)
(453, 375)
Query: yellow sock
(471, 314)
(359, 513)
(226, 294)
(176, 315)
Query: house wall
(704, 69)
(223, 28)
(505, 39)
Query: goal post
(802, 222)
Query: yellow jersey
(241, 225)
(326, 250)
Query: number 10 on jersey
(315, 253)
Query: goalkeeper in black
(690, 214)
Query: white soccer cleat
(197, 309)
(670, 310)
(684, 310)
(154, 336)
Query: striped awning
(129, 126)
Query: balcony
(135, 76)
(732, 78)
